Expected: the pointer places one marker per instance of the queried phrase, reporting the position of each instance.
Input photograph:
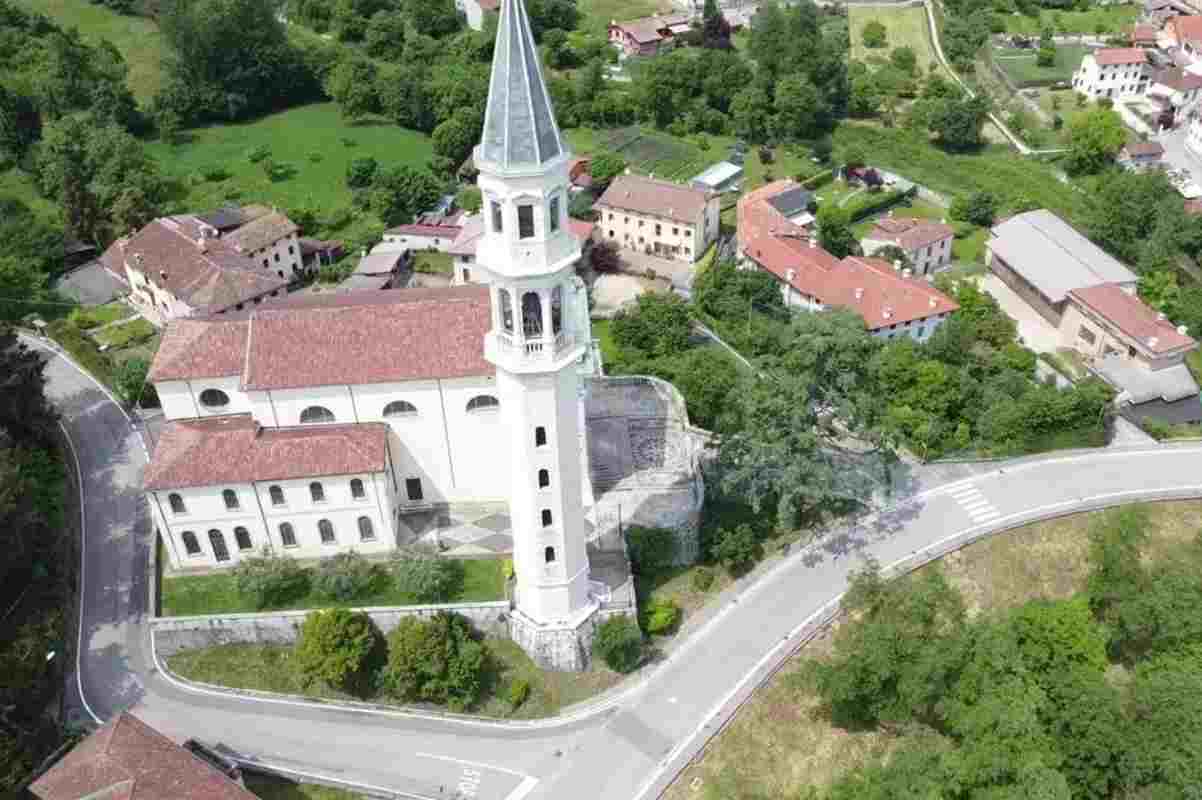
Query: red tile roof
(200, 348)
(1144, 149)
(869, 286)
(469, 234)
(657, 198)
(1109, 56)
(398, 335)
(126, 759)
(1193, 206)
(581, 229)
(910, 233)
(1186, 28)
(647, 29)
(236, 449)
(208, 274)
(1178, 79)
(1132, 316)
(429, 231)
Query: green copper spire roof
(519, 125)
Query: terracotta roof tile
(1109, 56)
(126, 758)
(261, 232)
(868, 286)
(581, 229)
(1143, 33)
(200, 348)
(398, 335)
(1178, 79)
(210, 276)
(910, 233)
(1144, 149)
(657, 198)
(647, 29)
(1133, 317)
(469, 234)
(1186, 28)
(236, 449)
(432, 231)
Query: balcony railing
(536, 347)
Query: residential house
(126, 758)
(231, 217)
(1140, 156)
(1113, 72)
(891, 301)
(180, 267)
(926, 243)
(1136, 349)
(316, 253)
(1043, 258)
(433, 230)
(719, 177)
(383, 268)
(1183, 34)
(647, 36)
(1158, 12)
(1175, 91)
(796, 205)
(273, 241)
(1144, 34)
(658, 218)
(476, 10)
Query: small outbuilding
(720, 177)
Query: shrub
(361, 172)
(343, 576)
(651, 549)
(314, 156)
(703, 579)
(258, 153)
(438, 660)
(215, 173)
(129, 381)
(875, 35)
(619, 643)
(661, 617)
(1158, 429)
(270, 579)
(425, 576)
(335, 647)
(519, 690)
(737, 548)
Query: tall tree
(1095, 138)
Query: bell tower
(539, 333)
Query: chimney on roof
(790, 275)
(896, 264)
(1153, 341)
(932, 302)
(887, 313)
(813, 242)
(907, 273)
(1183, 330)
(859, 293)
(1161, 316)
(163, 274)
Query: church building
(314, 424)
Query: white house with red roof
(1113, 72)
(647, 36)
(891, 301)
(926, 243)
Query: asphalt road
(627, 746)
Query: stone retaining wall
(173, 634)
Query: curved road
(628, 746)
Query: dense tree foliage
(1095, 138)
(272, 580)
(438, 660)
(229, 60)
(337, 647)
(425, 576)
(1018, 703)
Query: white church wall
(419, 443)
(286, 405)
(205, 510)
(182, 399)
(479, 442)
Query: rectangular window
(413, 488)
(553, 214)
(658, 229)
(526, 222)
(540, 436)
(496, 216)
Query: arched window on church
(400, 408)
(315, 414)
(556, 309)
(532, 315)
(483, 402)
(506, 310)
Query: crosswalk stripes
(974, 503)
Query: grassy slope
(1115, 18)
(780, 743)
(595, 15)
(136, 38)
(1021, 65)
(484, 579)
(271, 668)
(907, 27)
(294, 136)
(18, 184)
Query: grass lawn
(433, 262)
(271, 668)
(1113, 19)
(126, 334)
(780, 743)
(314, 142)
(652, 152)
(1021, 67)
(136, 38)
(595, 15)
(101, 315)
(602, 331)
(272, 788)
(907, 27)
(969, 245)
(993, 168)
(483, 579)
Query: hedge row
(875, 203)
(818, 181)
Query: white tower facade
(540, 327)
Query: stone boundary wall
(174, 634)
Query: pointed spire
(519, 124)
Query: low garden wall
(174, 634)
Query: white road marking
(479, 764)
(524, 788)
(970, 498)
